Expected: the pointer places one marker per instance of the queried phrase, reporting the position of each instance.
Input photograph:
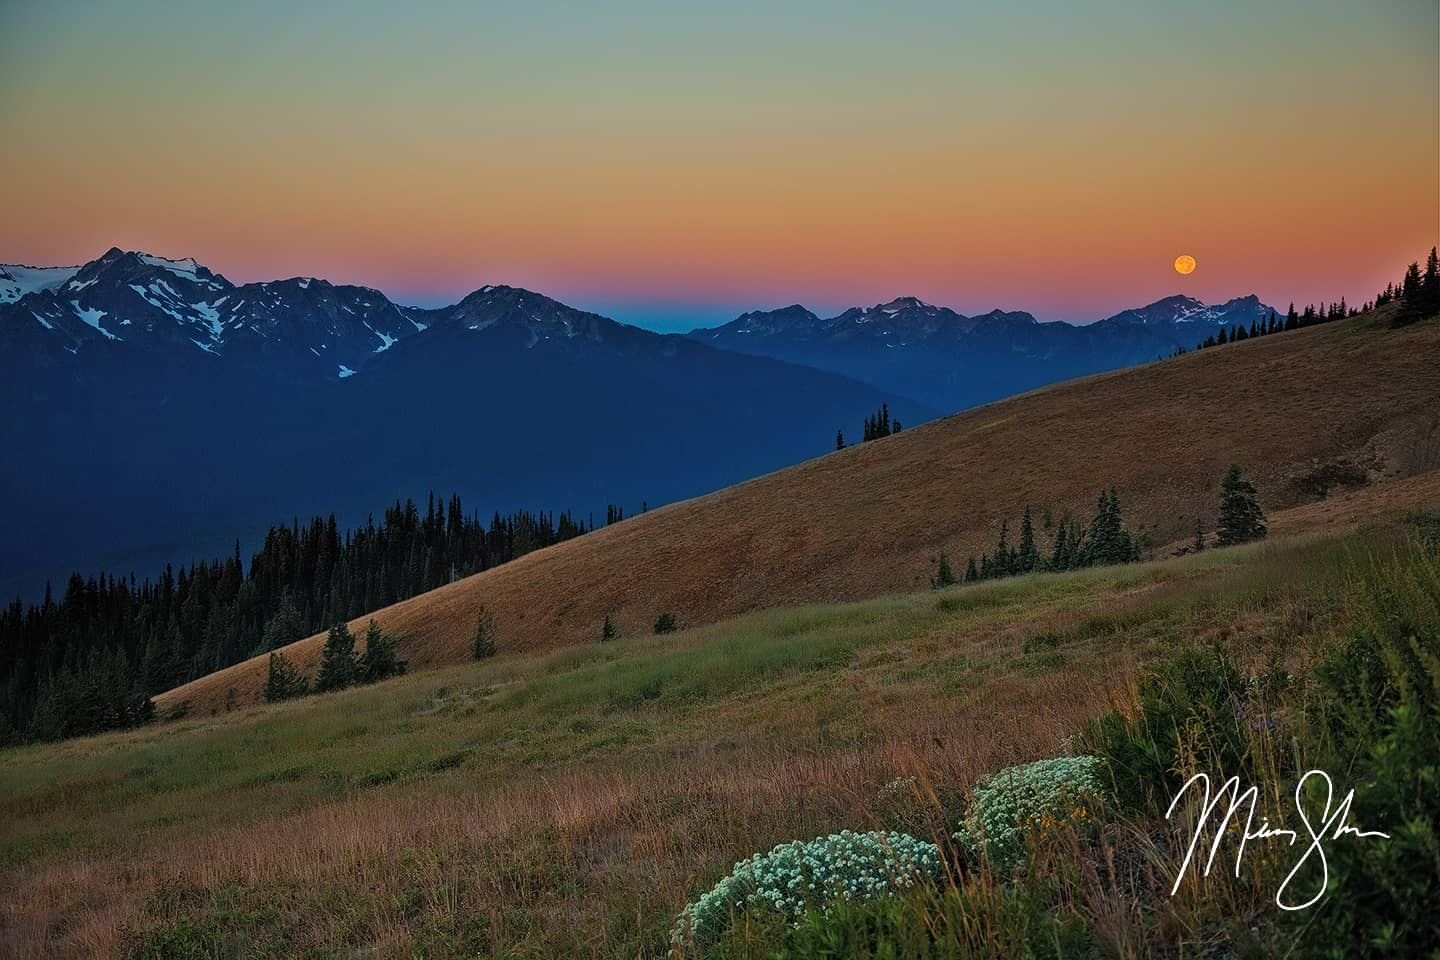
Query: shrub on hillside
(794, 877)
(666, 623)
(1044, 797)
(1196, 706)
(483, 646)
(1375, 720)
(1369, 716)
(1427, 528)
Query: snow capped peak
(304, 327)
(1182, 309)
(905, 303)
(305, 283)
(186, 268)
(129, 267)
(791, 317)
(17, 280)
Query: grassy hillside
(1296, 410)
(570, 802)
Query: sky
(674, 164)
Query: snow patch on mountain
(186, 268)
(92, 318)
(16, 280)
(211, 316)
(386, 341)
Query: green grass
(569, 803)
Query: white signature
(1332, 826)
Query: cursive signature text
(1332, 824)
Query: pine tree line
(1293, 320)
(90, 660)
(1418, 291)
(340, 666)
(878, 424)
(1105, 541)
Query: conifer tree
(484, 643)
(1421, 291)
(1000, 561)
(1028, 557)
(1241, 519)
(608, 630)
(971, 574)
(1100, 543)
(163, 632)
(284, 628)
(337, 662)
(1060, 557)
(1199, 536)
(944, 576)
(1410, 285)
(1128, 544)
(839, 440)
(665, 623)
(284, 680)
(379, 661)
(1108, 541)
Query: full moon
(1185, 264)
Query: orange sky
(676, 168)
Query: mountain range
(951, 361)
(155, 411)
(303, 328)
(159, 411)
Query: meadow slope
(1296, 410)
(567, 803)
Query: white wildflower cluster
(793, 876)
(1048, 795)
(899, 788)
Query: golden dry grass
(871, 519)
(569, 802)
